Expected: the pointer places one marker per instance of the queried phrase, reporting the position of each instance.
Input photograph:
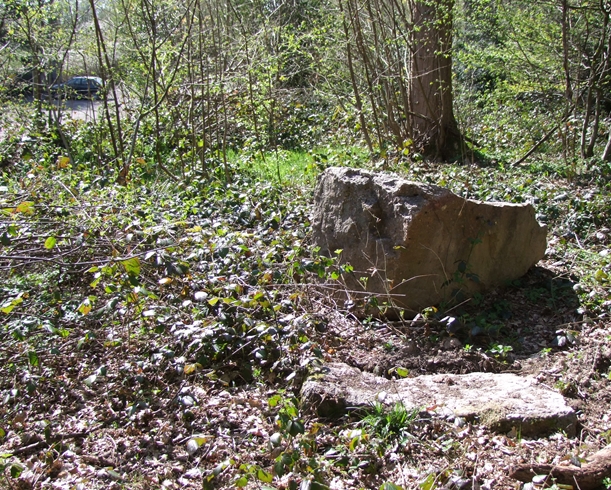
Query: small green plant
(500, 351)
(287, 420)
(390, 424)
(300, 447)
(7, 462)
(607, 482)
(566, 388)
(545, 351)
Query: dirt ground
(80, 433)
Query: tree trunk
(435, 129)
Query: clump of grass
(390, 424)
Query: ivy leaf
(85, 308)
(50, 242)
(390, 486)
(241, 482)
(279, 468)
(8, 307)
(428, 483)
(295, 427)
(274, 400)
(33, 358)
(402, 372)
(26, 207)
(16, 470)
(192, 368)
(62, 162)
(132, 266)
(264, 476)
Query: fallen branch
(60, 437)
(590, 476)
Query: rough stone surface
(498, 401)
(420, 245)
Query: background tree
(431, 97)
(400, 62)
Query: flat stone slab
(498, 401)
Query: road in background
(80, 109)
(76, 109)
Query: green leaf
(279, 468)
(132, 266)
(200, 439)
(33, 358)
(84, 308)
(7, 309)
(403, 372)
(5, 239)
(390, 486)
(25, 207)
(429, 482)
(192, 368)
(357, 435)
(16, 470)
(264, 476)
(601, 276)
(10, 305)
(295, 427)
(241, 482)
(274, 400)
(50, 242)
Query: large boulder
(418, 245)
(497, 401)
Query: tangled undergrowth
(157, 336)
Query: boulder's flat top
(500, 401)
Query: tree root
(587, 477)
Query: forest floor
(158, 335)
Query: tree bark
(435, 129)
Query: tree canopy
(416, 78)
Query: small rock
(193, 474)
(451, 343)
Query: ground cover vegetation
(160, 302)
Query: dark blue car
(79, 87)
